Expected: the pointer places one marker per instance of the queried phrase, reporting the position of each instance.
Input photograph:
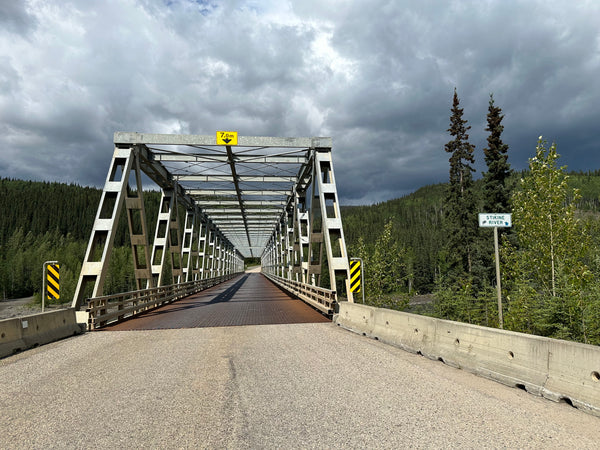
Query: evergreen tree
(495, 181)
(460, 215)
(496, 185)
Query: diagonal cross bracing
(238, 192)
(243, 190)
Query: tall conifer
(495, 181)
(460, 205)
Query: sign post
(356, 276)
(496, 221)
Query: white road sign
(495, 220)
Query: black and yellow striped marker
(53, 282)
(355, 276)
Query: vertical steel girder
(301, 238)
(175, 240)
(138, 233)
(296, 253)
(289, 241)
(97, 256)
(186, 246)
(200, 252)
(332, 230)
(162, 235)
(149, 263)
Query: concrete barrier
(555, 369)
(10, 337)
(25, 332)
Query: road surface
(310, 385)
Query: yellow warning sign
(227, 137)
(53, 282)
(355, 275)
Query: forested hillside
(416, 227)
(41, 207)
(52, 221)
(417, 224)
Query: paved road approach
(303, 385)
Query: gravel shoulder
(19, 307)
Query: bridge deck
(250, 299)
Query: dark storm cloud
(15, 18)
(377, 76)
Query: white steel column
(196, 246)
(161, 236)
(187, 244)
(138, 230)
(97, 256)
(206, 236)
(333, 233)
(175, 240)
(289, 243)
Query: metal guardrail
(114, 308)
(318, 297)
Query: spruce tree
(460, 215)
(496, 187)
(495, 181)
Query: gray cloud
(375, 75)
(15, 18)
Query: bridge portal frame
(201, 249)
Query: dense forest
(416, 222)
(41, 221)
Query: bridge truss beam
(268, 196)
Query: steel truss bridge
(269, 196)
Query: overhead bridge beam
(246, 191)
(278, 204)
(240, 178)
(126, 138)
(239, 159)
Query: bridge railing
(320, 298)
(114, 308)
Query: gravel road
(270, 386)
(24, 307)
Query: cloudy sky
(375, 75)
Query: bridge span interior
(249, 299)
(268, 197)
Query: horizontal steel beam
(251, 212)
(252, 229)
(231, 192)
(124, 138)
(228, 178)
(218, 158)
(247, 203)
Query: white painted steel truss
(270, 197)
